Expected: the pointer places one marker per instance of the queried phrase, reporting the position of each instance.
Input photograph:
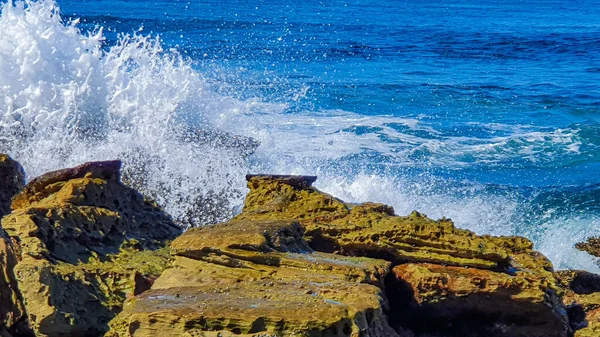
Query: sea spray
(67, 98)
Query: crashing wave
(67, 98)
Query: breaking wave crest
(68, 98)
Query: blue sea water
(487, 112)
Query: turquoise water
(487, 112)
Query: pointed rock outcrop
(85, 242)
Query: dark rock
(12, 181)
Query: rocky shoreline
(82, 254)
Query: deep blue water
(473, 71)
(484, 111)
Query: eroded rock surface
(13, 319)
(85, 242)
(259, 278)
(591, 246)
(582, 299)
(447, 281)
(474, 302)
(12, 310)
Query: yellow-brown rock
(591, 246)
(487, 271)
(373, 230)
(85, 243)
(13, 319)
(582, 300)
(12, 180)
(592, 325)
(258, 278)
(477, 302)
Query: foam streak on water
(69, 96)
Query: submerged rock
(447, 281)
(12, 180)
(85, 243)
(258, 278)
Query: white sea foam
(477, 210)
(561, 234)
(66, 98)
(66, 101)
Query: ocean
(486, 112)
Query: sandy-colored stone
(85, 243)
(13, 319)
(515, 274)
(373, 230)
(258, 279)
(487, 302)
(582, 300)
(592, 325)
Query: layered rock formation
(83, 250)
(298, 262)
(258, 278)
(84, 243)
(446, 280)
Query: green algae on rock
(85, 243)
(258, 278)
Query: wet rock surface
(84, 243)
